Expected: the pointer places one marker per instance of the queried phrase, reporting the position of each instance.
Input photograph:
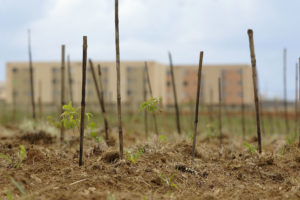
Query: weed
(134, 157)
(291, 139)
(22, 156)
(9, 195)
(168, 181)
(92, 127)
(251, 148)
(162, 138)
(151, 105)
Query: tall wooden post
(40, 100)
(118, 77)
(220, 110)
(70, 79)
(197, 103)
(31, 76)
(296, 100)
(84, 61)
(254, 76)
(285, 93)
(151, 95)
(243, 105)
(210, 106)
(62, 129)
(299, 97)
(100, 99)
(175, 95)
(145, 99)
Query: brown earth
(231, 171)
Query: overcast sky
(149, 28)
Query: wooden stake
(62, 129)
(254, 76)
(84, 61)
(151, 95)
(31, 76)
(220, 109)
(243, 105)
(296, 100)
(145, 99)
(210, 106)
(175, 95)
(299, 98)
(14, 112)
(70, 79)
(197, 103)
(285, 93)
(106, 126)
(40, 100)
(118, 77)
(100, 98)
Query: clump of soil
(37, 138)
(111, 156)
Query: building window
(105, 69)
(15, 93)
(239, 94)
(239, 82)
(55, 93)
(129, 69)
(129, 80)
(54, 69)
(54, 81)
(14, 70)
(105, 81)
(240, 71)
(168, 72)
(128, 92)
(89, 81)
(168, 83)
(90, 93)
(185, 83)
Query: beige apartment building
(47, 83)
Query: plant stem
(62, 129)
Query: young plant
(22, 156)
(9, 195)
(251, 148)
(151, 105)
(162, 138)
(93, 132)
(134, 157)
(168, 181)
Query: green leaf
(6, 158)
(21, 156)
(9, 195)
(20, 188)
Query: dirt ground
(164, 170)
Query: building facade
(236, 81)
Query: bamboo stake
(31, 76)
(62, 129)
(220, 110)
(84, 61)
(106, 126)
(243, 105)
(70, 79)
(296, 100)
(285, 93)
(118, 77)
(262, 116)
(254, 76)
(145, 99)
(197, 103)
(100, 99)
(40, 100)
(151, 95)
(210, 106)
(299, 97)
(175, 95)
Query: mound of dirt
(39, 137)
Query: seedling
(151, 105)
(134, 157)
(22, 156)
(162, 138)
(70, 118)
(168, 181)
(251, 148)
(93, 132)
(18, 186)
(291, 139)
